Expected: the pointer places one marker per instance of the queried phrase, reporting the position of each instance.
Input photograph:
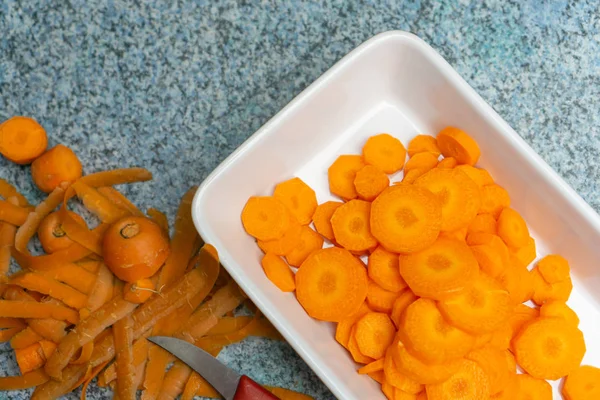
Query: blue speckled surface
(176, 86)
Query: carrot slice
(265, 218)
(483, 223)
(544, 291)
(405, 299)
(27, 309)
(384, 270)
(355, 350)
(517, 281)
(422, 162)
(440, 270)
(482, 307)
(57, 165)
(490, 260)
(374, 333)
(26, 381)
(549, 349)
(398, 379)
(331, 284)
(459, 234)
(51, 287)
(285, 244)
(385, 152)
(406, 218)
(554, 268)
(298, 197)
(448, 163)
(480, 176)
(423, 144)
(458, 195)
(494, 198)
(350, 223)
(533, 389)
(342, 174)
(527, 253)
(22, 140)
(469, 382)
(369, 182)
(310, 241)
(582, 383)
(512, 228)
(380, 299)
(343, 328)
(559, 309)
(322, 218)
(378, 376)
(411, 176)
(429, 336)
(278, 272)
(388, 390)
(12, 213)
(375, 366)
(493, 362)
(419, 371)
(481, 238)
(456, 143)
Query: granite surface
(176, 86)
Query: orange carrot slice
(494, 198)
(278, 272)
(544, 291)
(423, 144)
(533, 389)
(350, 223)
(527, 253)
(309, 242)
(483, 223)
(422, 162)
(265, 218)
(375, 366)
(517, 281)
(411, 176)
(559, 309)
(398, 379)
(377, 376)
(384, 270)
(285, 244)
(342, 174)
(369, 182)
(406, 298)
(493, 362)
(322, 218)
(554, 268)
(456, 143)
(374, 333)
(22, 139)
(343, 328)
(355, 350)
(469, 382)
(489, 259)
(380, 299)
(298, 197)
(480, 176)
(512, 228)
(385, 152)
(419, 371)
(447, 163)
(582, 383)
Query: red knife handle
(249, 390)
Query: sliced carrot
(483, 223)
(501, 337)
(489, 259)
(398, 379)
(29, 380)
(493, 362)
(404, 299)
(351, 229)
(385, 152)
(521, 316)
(342, 174)
(343, 328)
(384, 270)
(494, 198)
(378, 376)
(57, 165)
(278, 272)
(423, 144)
(310, 241)
(482, 307)
(469, 382)
(481, 238)
(22, 140)
(322, 218)
(447, 163)
(355, 350)
(440, 270)
(548, 348)
(285, 244)
(380, 299)
(411, 176)
(531, 388)
(459, 234)
(375, 366)
(374, 333)
(51, 287)
(559, 309)
(544, 291)
(406, 218)
(512, 228)
(419, 371)
(582, 383)
(13, 214)
(369, 182)
(388, 390)
(517, 281)
(27, 309)
(422, 162)
(527, 253)
(298, 197)
(429, 336)
(554, 268)
(331, 285)
(456, 143)
(458, 195)
(265, 218)
(480, 176)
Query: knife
(230, 384)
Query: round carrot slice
(322, 218)
(483, 223)
(447, 163)
(370, 181)
(405, 299)
(469, 382)
(423, 144)
(456, 143)
(342, 174)
(385, 152)
(494, 198)
(384, 270)
(344, 327)
(406, 218)
(512, 228)
(278, 272)
(554, 268)
(544, 291)
(440, 270)
(517, 281)
(459, 234)
(548, 348)
(388, 390)
(309, 242)
(481, 307)
(374, 333)
(489, 259)
(533, 389)
(493, 361)
(380, 299)
(397, 378)
(494, 241)
(400, 394)
(331, 284)
(419, 371)
(527, 253)
(298, 197)
(22, 140)
(582, 384)
(355, 350)
(458, 195)
(480, 176)
(286, 243)
(375, 366)
(351, 229)
(422, 162)
(265, 218)
(429, 336)
(559, 309)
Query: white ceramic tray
(393, 83)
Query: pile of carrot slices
(84, 307)
(430, 279)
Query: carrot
(411, 176)
(493, 362)
(350, 223)
(12, 323)
(122, 332)
(558, 309)
(456, 143)
(480, 176)
(512, 228)
(7, 240)
(544, 291)
(26, 381)
(138, 291)
(26, 309)
(7, 191)
(549, 349)
(48, 347)
(485, 223)
(73, 253)
(375, 366)
(135, 248)
(378, 376)
(119, 200)
(57, 165)
(422, 162)
(554, 268)
(458, 195)
(174, 381)
(30, 358)
(322, 218)
(278, 272)
(423, 144)
(309, 242)
(90, 265)
(22, 139)
(8, 334)
(482, 307)
(447, 163)
(286, 243)
(369, 182)
(406, 298)
(72, 275)
(385, 152)
(354, 350)
(398, 379)
(527, 253)
(51, 287)
(405, 218)
(265, 218)
(384, 270)
(440, 270)
(341, 176)
(494, 199)
(428, 336)
(517, 281)
(490, 259)
(534, 389)
(419, 371)
(12, 213)
(196, 385)
(102, 291)
(331, 284)
(160, 219)
(582, 383)
(298, 197)
(343, 328)
(374, 333)
(380, 299)
(25, 338)
(388, 390)
(469, 382)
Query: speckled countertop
(176, 86)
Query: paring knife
(226, 381)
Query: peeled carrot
(369, 182)
(469, 382)
(374, 333)
(51, 233)
(13, 214)
(422, 162)
(350, 223)
(309, 242)
(375, 366)
(278, 272)
(298, 197)
(341, 176)
(423, 144)
(447, 163)
(490, 259)
(122, 332)
(582, 383)
(30, 358)
(494, 198)
(480, 176)
(322, 218)
(265, 218)
(355, 350)
(380, 299)
(26, 309)
(544, 291)
(377, 376)
(554, 268)
(527, 253)
(517, 281)
(411, 176)
(493, 362)
(558, 309)
(57, 165)
(51, 287)
(456, 143)
(22, 140)
(384, 270)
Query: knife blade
(230, 384)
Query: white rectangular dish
(398, 84)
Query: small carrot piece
(350, 223)
(322, 218)
(456, 143)
(119, 200)
(419, 371)
(27, 309)
(559, 309)
(532, 388)
(512, 228)
(398, 379)
(422, 162)
(380, 299)
(369, 182)
(490, 259)
(517, 281)
(378, 376)
(122, 332)
(309, 242)
(341, 176)
(375, 366)
(57, 165)
(480, 176)
(355, 350)
(406, 298)
(13, 214)
(26, 381)
(285, 244)
(469, 382)
(494, 199)
(30, 358)
(8, 334)
(384, 270)
(485, 223)
(423, 144)
(265, 218)
(411, 176)
(298, 197)
(42, 284)
(544, 291)
(385, 152)
(374, 333)
(25, 338)
(554, 268)
(22, 139)
(527, 253)
(582, 383)
(343, 328)
(447, 163)
(493, 362)
(278, 272)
